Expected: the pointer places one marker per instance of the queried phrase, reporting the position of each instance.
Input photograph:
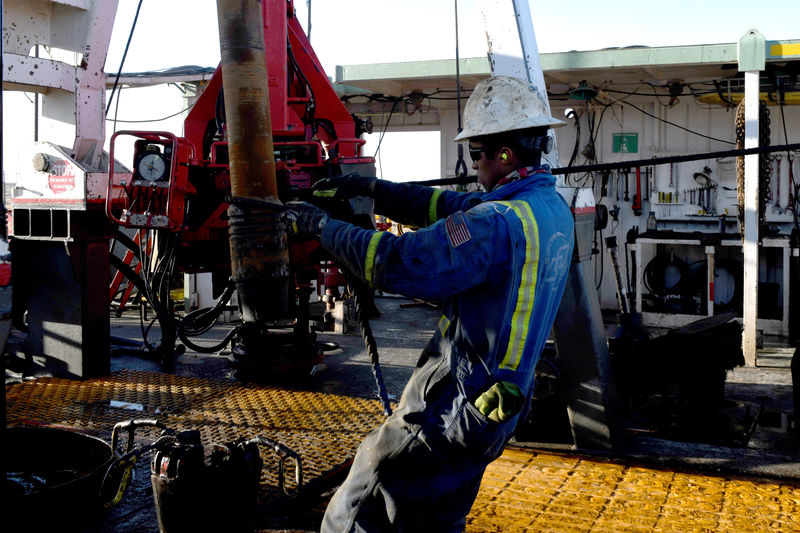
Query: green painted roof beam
(704, 54)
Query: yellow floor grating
(522, 491)
(324, 429)
(529, 491)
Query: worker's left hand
(345, 187)
(303, 218)
(501, 401)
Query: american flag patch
(457, 230)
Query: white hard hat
(503, 103)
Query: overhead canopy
(618, 67)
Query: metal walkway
(529, 491)
(325, 429)
(524, 490)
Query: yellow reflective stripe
(324, 193)
(444, 323)
(369, 261)
(432, 215)
(527, 287)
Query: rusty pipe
(259, 253)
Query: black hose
(201, 320)
(654, 277)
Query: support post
(752, 59)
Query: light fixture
(704, 178)
(583, 92)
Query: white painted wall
(660, 139)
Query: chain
(764, 163)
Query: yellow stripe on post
(527, 287)
(433, 216)
(369, 261)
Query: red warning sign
(62, 177)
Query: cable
(600, 252)
(676, 125)
(577, 143)
(385, 127)
(124, 55)
(149, 120)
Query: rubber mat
(526, 490)
(324, 429)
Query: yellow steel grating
(97, 404)
(325, 429)
(529, 491)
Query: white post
(750, 218)
(710, 285)
(752, 58)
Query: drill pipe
(259, 252)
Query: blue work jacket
(497, 260)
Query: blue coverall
(499, 262)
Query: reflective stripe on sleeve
(527, 288)
(369, 261)
(432, 214)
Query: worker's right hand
(501, 401)
(345, 187)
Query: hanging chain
(764, 163)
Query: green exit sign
(625, 143)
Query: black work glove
(345, 187)
(302, 218)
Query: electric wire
(149, 120)
(676, 125)
(380, 139)
(124, 55)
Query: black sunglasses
(475, 153)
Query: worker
(498, 260)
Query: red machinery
(180, 186)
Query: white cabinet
(644, 247)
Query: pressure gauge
(152, 167)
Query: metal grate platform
(325, 429)
(529, 491)
(524, 490)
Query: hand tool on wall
(637, 198)
(671, 174)
(604, 184)
(627, 195)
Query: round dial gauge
(152, 167)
